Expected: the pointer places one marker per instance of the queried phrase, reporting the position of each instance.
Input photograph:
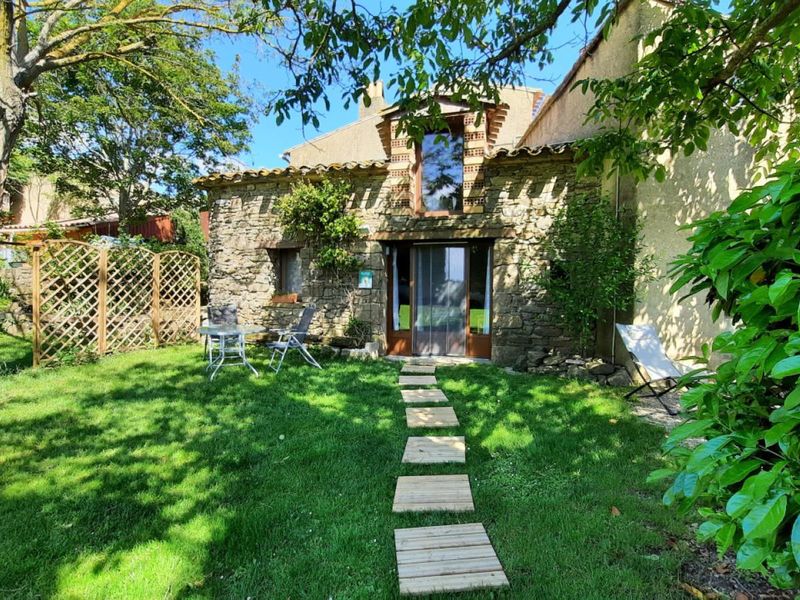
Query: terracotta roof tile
(215, 179)
(522, 151)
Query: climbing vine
(316, 213)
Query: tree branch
(514, 46)
(787, 8)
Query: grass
(16, 353)
(136, 478)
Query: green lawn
(15, 354)
(136, 478)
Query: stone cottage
(452, 232)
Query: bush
(744, 479)
(595, 263)
(316, 214)
(360, 331)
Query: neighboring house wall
(38, 203)
(362, 143)
(695, 185)
(521, 195)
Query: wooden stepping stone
(423, 493)
(413, 396)
(431, 416)
(420, 369)
(417, 380)
(452, 558)
(435, 449)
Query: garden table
(231, 348)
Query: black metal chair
(294, 339)
(225, 314)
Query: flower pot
(285, 298)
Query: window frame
(282, 274)
(454, 125)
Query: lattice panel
(178, 295)
(129, 299)
(69, 290)
(92, 299)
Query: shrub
(360, 331)
(595, 263)
(316, 214)
(744, 479)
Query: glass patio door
(440, 311)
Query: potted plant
(283, 297)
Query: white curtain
(487, 315)
(395, 293)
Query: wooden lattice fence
(90, 300)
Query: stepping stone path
(429, 493)
(432, 449)
(431, 416)
(417, 380)
(449, 558)
(452, 558)
(418, 369)
(413, 396)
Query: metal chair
(288, 340)
(647, 353)
(225, 314)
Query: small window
(291, 272)
(440, 171)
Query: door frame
(401, 343)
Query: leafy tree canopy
(120, 140)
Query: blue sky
(262, 73)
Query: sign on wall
(365, 280)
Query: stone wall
(522, 194)
(16, 320)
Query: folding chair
(648, 355)
(288, 340)
(225, 314)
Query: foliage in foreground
(317, 214)
(745, 479)
(595, 262)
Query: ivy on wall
(595, 262)
(316, 214)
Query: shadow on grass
(16, 354)
(137, 478)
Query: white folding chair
(288, 340)
(650, 360)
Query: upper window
(441, 172)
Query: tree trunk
(124, 209)
(12, 118)
(12, 98)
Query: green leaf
(783, 288)
(685, 431)
(707, 452)
(738, 504)
(708, 530)
(751, 555)
(724, 538)
(738, 471)
(764, 518)
(774, 434)
(795, 540)
(660, 474)
(793, 399)
(787, 367)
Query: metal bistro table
(231, 349)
